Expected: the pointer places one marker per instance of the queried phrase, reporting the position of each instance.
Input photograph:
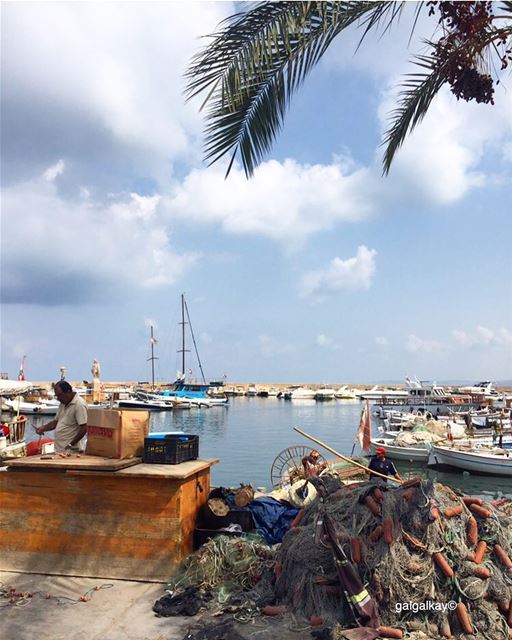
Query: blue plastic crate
(171, 449)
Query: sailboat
(194, 392)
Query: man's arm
(49, 426)
(80, 434)
(393, 470)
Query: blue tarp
(272, 518)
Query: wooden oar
(340, 455)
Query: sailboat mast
(183, 351)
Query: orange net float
(472, 531)
(502, 556)
(468, 501)
(454, 511)
(355, 549)
(480, 551)
(443, 564)
(372, 505)
(464, 618)
(482, 572)
(376, 534)
(390, 632)
(480, 511)
(387, 530)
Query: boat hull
(416, 454)
(470, 461)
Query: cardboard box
(116, 433)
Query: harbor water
(250, 432)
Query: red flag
(21, 372)
(364, 433)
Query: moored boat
(487, 460)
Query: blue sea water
(248, 434)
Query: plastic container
(163, 434)
(171, 449)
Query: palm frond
(413, 103)
(258, 60)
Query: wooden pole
(340, 455)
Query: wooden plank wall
(98, 526)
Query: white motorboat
(32, 408)
(302, 393)
(344, 393)
(383, 394)
(324, 393)
(480, 459)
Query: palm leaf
(258, 60)
(413, 103)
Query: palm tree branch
(258, 61)
(413, 103)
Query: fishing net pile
(432, 561)
(227, 574)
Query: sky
(318, 269)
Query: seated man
(381, 464)
(311, 466)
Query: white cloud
(111, 245)
(282, 201)
(351, 274)
(205, 338)
(420, 345)
(325, 342)
(52, 172)
(483, 337)
(270, 346)
(148, 322)
(381, 341)
(115, 67)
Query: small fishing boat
(417, 453)
(480, 459)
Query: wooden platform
(134, 523)
(55, 462)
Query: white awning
(14, 387)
